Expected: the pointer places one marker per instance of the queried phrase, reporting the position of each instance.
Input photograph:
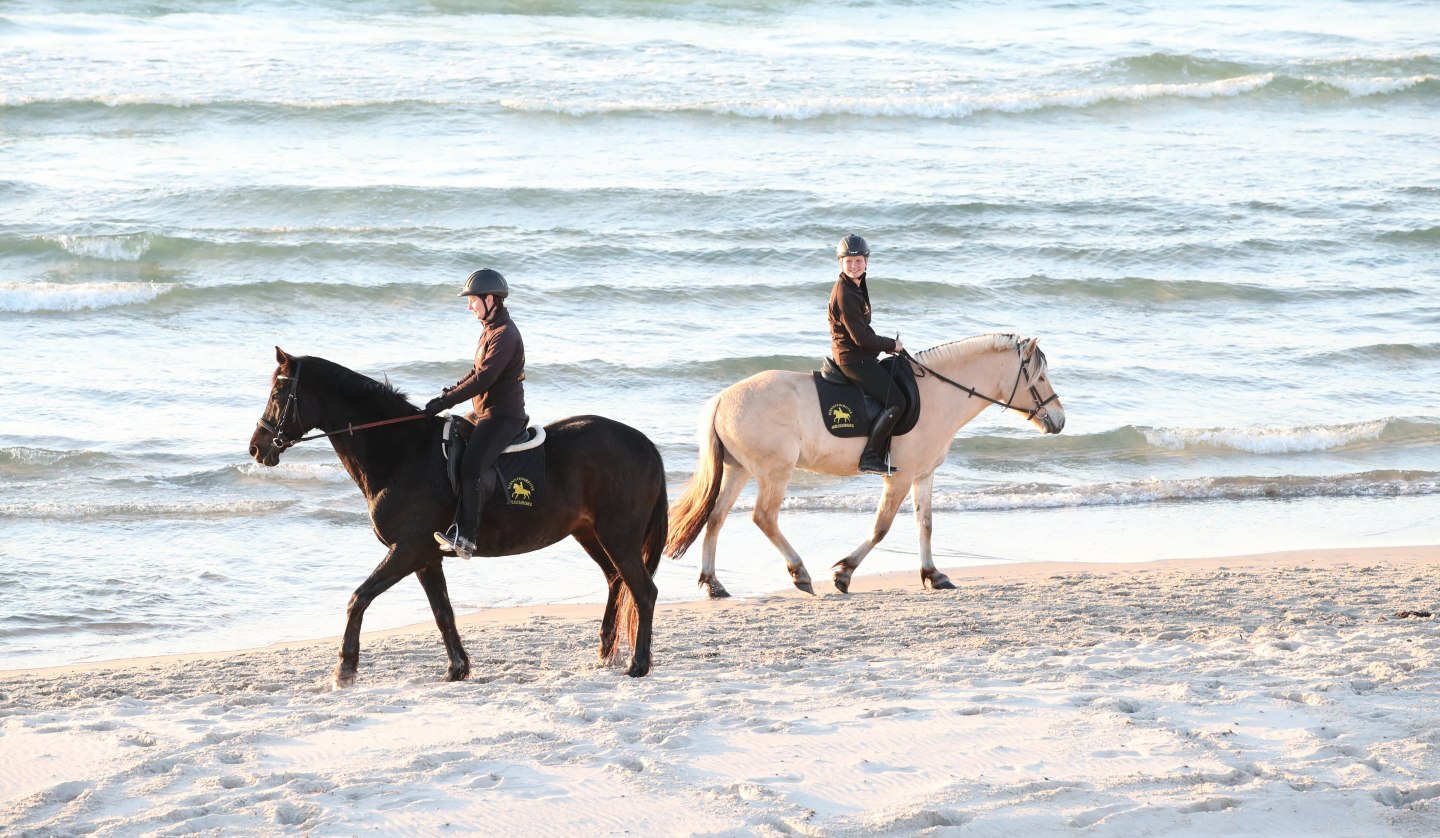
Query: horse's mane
(969, 346)
(352, 385)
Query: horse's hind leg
(432, 579)
(890, 499)
(613, 582)
(732, 481)
(402, 560)
(770, 492)
(621, 541)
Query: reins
(350, 429)
(293, 398)
(1029, 414)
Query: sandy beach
(1278, 694)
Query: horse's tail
(689, 514)
(657, 531)
(627, 621)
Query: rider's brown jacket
(495, 386)
(851, 338)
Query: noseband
(1009, 404)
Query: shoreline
(900, 581)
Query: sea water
(1220, 220)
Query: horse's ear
(280, 357)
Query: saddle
(848, 412)
(520, 470)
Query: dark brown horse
(604, 484)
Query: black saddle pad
(848, 412)
(842, 407)
(522, 480)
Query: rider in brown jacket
(857, 347)
(497, 396)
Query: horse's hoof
(343, 678)
(714, 589)
(638, 669)
(938, 581)
(804, 585)
(842, 584)
(458, 673)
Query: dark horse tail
(657, 531)
(690, 513)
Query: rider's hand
(899, 347)
(434, 406)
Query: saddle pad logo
(520, 491)
(840, 417)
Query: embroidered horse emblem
(520, 491)
(840, 417)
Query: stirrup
(451, 541)
(875, 465)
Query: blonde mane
(966, 347)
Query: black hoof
(842, 585)
(714, 589)
(806, 587)
(638, 670)
(936, 580)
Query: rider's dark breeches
(489, 438)
(875, 381)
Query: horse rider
(497, 398)
(856, 347)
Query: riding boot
(871, 459)
(465, 531)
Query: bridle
(1009, 404)
(292, 400)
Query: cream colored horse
(770, 424)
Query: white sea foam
(1372, 86)
(57, 510)
(924, 107)
(33, 456)
(1136, 492)
(123, 248)
(54, 296)
(290, 472)
(1266, 440)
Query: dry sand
(1284, 694)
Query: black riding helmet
(851, 245)
(485, 281)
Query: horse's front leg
(890, 499)
(432, 579)
(402, 560)
(924, 487)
